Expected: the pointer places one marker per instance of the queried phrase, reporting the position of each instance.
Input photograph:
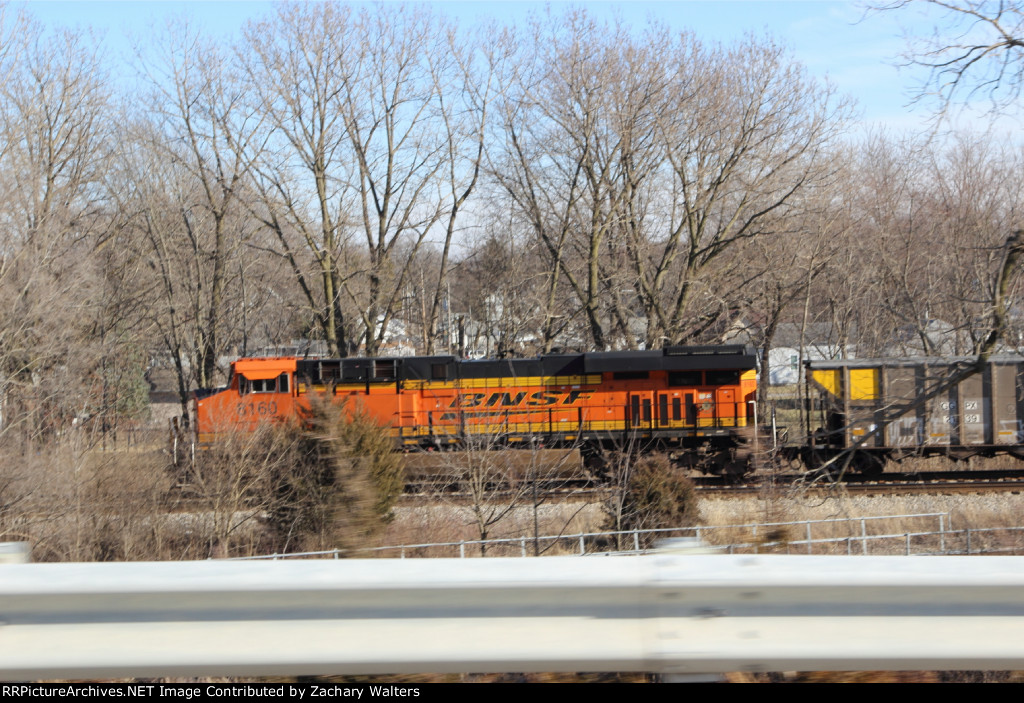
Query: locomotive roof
(263, 368)
(725, 356)
(679, 358)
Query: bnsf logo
(511, 400)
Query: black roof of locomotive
(679, 358)
(724, 356)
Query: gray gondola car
(893, 408)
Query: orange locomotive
(673, 399)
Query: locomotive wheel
(596, 463)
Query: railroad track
(938, 482)
(585, 495)
(944, 483)
(423, 492)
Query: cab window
(263, 385)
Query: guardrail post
(522, 546)
(807, 525)
(636, 541)
(462, 550)
(907, 537)
(863, 536)
(583, 549)
(942, 535)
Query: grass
(448, 523)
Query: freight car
(874, 410)
(694, 403)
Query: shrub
(340, 481)
(656, 495)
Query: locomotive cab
(260, 390)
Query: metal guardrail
(664, 613)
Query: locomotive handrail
(665, 613)
(584, 417)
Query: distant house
(784, 363)
(933, 338)
(820, 340)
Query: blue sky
(857, 52)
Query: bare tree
(502, 292)
(201, 135)
(296, 74)
(53, 139)
(905, 256)
(974, 198)
(750, 137)
(494, 485)
(642, 162)
(361, 140)
(573, 147)
(979, 51)
(974, 49)
(466, 86)
(931, 219)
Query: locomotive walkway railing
(661, 613)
